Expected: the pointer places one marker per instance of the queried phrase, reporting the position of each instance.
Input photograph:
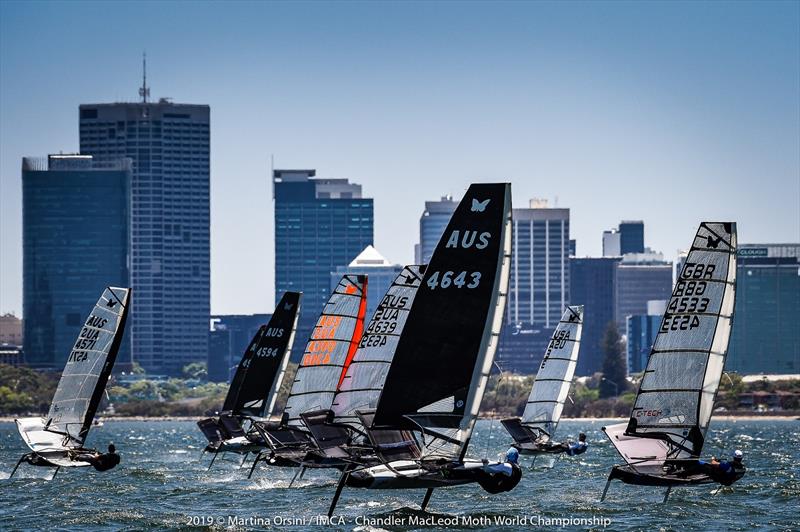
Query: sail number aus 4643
(457, 279)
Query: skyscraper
(169, 145)
(432, 224)
(631, 236)
(593, 285)
(766, 336)
(74, 244)
(320, 224)
(539, 286)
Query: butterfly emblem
(287, 306)
(479, 206)
(713, 243)
(111, 303)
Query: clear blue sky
(668, 112)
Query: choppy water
(162, 483)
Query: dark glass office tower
(169, 145)
(766, 325)
(74, 244)
(631, 236)
(593, 285)
(320, 225)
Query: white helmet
(738, 454)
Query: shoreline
(743, 417)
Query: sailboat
(328, 354)
(256, 383)
(338, 433)
(442, 362)
(57, 439)
(662, 441)
(534, 431)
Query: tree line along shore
(25, 391)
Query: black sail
(444, 355)
(260, 372)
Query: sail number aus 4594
(459, 280)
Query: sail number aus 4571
(459, 280)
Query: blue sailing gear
(578, 447)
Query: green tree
(614, 366)
(195, 370)
(137, 369)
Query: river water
(162, 484)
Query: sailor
(503, 476)
(100, 461)
(723, 469)
(578, 447)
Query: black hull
(628, 475)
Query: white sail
(83, 380)
(363, 382)
(553, 380)
(676, 394)
(330, 349)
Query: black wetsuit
(101, 462)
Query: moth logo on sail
(467, 239)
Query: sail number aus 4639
(459, 280)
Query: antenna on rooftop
(144, 92)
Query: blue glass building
(631, 236)
(229, 336)
(170, 226)
(74, 244)
(766, 326)
(641, 331)
(320, 224)
(432, 224)
(593, 285)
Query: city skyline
(700, 112)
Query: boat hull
(407, 474)
(654, 477)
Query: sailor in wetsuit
(506, 468)
(100, 461)
(578, 447)
(723, 470)
(503, 476)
